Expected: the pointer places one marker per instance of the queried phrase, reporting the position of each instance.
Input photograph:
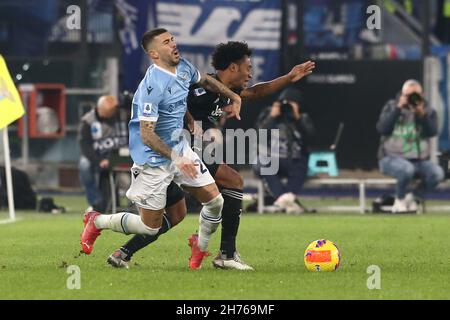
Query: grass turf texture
(410, 250)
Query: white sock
(205, 231)
(124, 222)
(210, 218)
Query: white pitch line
(9, 221)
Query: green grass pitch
(410, 250)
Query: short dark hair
(227, 53)
(148, 37)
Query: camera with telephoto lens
(286, 110)
(414, 99)
(126, 99)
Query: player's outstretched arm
(151, 139)
(263, 89)
(211, 84)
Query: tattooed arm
(151, 139)
(211, 84)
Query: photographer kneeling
(294, 129)
(102, 131)
(406, 125)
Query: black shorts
(212, 168)
(174, 194)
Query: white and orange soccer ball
(322, 255)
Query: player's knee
(232, 180)
(214, 206)
(177, 216)
(238, 182)
(148, 230)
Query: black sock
(231, 215)
(140, 241)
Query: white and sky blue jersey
(161, 98)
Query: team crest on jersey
(215, 115)
(147, 109)
(218, 112)
(199, 91)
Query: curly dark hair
(227, 53)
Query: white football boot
(222, 262)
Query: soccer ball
(322, 255)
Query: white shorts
(149, 184)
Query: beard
(175, 61)
(175, 58)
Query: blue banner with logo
(442, 82)
(133, 22)
(199, 25)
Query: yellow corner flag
(11, 107)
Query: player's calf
(231, 183)
(125, 222)
(210, 217)
(231, 215)
(175, 212)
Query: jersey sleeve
(195, 75)
(148, 101)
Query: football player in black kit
(234, 69)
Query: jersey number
(202, 168)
